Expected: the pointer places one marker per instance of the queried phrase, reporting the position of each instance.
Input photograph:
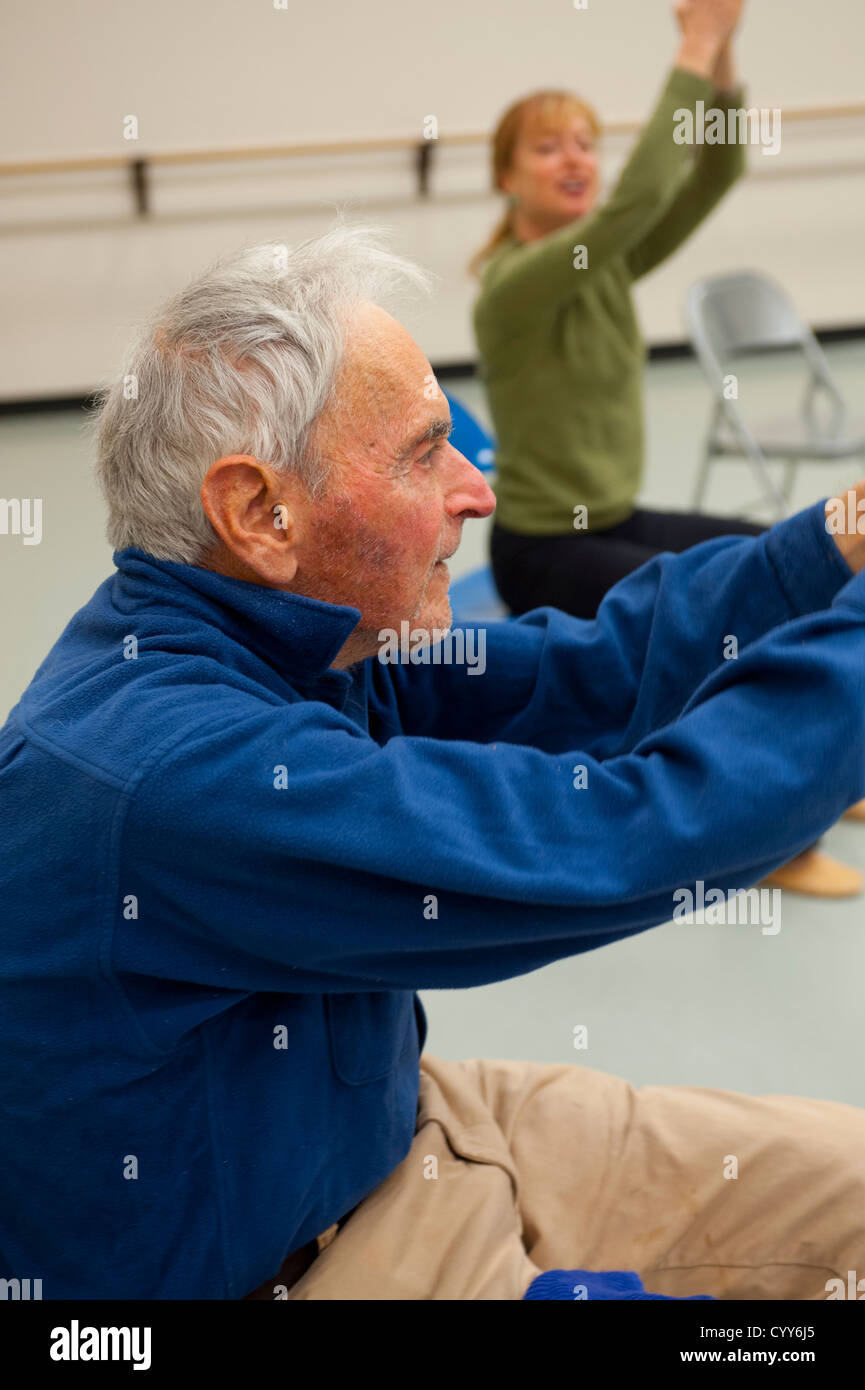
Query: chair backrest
(744, 311)
(470, 437)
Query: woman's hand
(706, 27)
(708, 16)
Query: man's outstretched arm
(555, 682)
(311, 856)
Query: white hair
(242, 361)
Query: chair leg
(773, 494)
(789, 480)
(702, 479)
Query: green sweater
(560, 348)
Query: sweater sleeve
(284, 848)
(714, 172)
(552, 681)
(539, 274)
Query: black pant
(574, 571)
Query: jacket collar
(298, 635)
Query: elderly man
(237, 843)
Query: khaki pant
(519, 1167)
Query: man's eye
(436, 449)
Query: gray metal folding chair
(730, 317)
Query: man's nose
(471, 495)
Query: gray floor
(695, 1005)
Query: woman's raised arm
(541, 273)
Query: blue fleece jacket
(217, 851)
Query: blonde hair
(540, 111)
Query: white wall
(78, 271)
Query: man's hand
(844, 517)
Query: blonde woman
(560, 349)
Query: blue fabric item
(475, 599)
(469, 436)
(218, 854)
(601, 1287)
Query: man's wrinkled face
(397, 494)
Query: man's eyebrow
(435, 430)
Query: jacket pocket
(368, 1033)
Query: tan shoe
(856, 812)
(818, 875)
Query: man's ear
(255, 512)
